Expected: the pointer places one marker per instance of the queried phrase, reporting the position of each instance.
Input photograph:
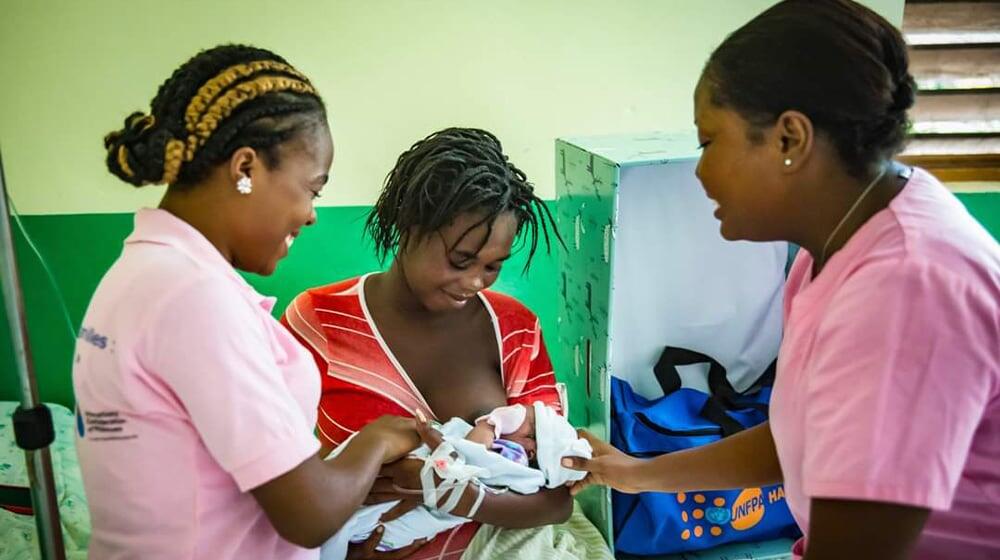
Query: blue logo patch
(79, 423)
(717, 516)
(93, 337)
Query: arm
(547, 506)
(739, 461)
(742, 460)
(894, 445)
(324, 449)
(531, 373)
(534, 380)
(511, 510)
(302, 323)
(310, 503)
(863, 530)
(226, 378)
(300, 320)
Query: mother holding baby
(426, 337)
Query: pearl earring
(788, 162)
(244, 185)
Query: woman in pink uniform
(885, 415)
(196, 409)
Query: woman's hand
(368, 550)
(394, 436)
(608, 467)
(400, 480)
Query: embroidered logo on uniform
(108, 425)
(91, 336)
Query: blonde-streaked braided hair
(220, 100)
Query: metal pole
(43, 488)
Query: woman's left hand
(400, 480)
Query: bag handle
(723, 396)
(672, 356)
(719, 385)
(714, 411)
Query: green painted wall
(985, 207)
(79, 248)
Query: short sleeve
(900, 375)
(536, 381)
(344, 407)
(301, 321)
(213, 349)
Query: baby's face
(525, 434)
(482, 433)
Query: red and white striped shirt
(362, 379)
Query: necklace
(822, 255)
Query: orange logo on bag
(748, 509)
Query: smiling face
(445, 269)
(282, 200)
(740, 172)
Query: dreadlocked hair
(452, 172)
(222, 99)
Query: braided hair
(452, 172)
(222, 99)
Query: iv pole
(32, 420)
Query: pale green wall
(391, 71)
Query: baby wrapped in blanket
(514, 448)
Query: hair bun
(904, 95)
(135, 153)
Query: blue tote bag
(660, 523)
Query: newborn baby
(514, 448)
(508, 430)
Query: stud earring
(244, 185)
(788, 163)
